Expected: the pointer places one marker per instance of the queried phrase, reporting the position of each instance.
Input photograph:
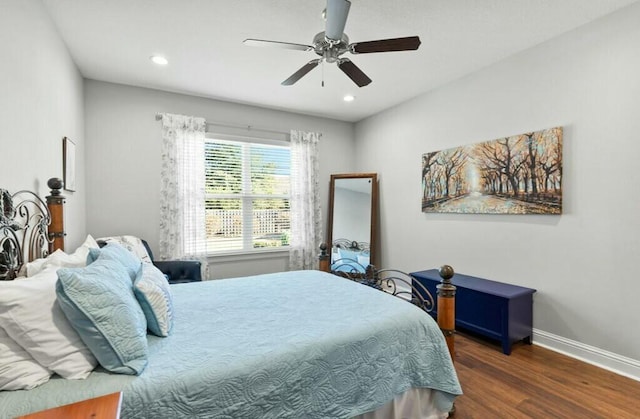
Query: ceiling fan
(332, 43)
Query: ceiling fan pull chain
(322, 73)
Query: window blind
(247, 190)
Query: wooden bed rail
(446, 301)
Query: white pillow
(32, 317)
(60, 259)
(18, 370)
(131, 243)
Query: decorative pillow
(115, 252)
(98, 300)
(152, 290)
(32, 317)
(363, 259)
(131, 243)
(351, 255)
(18, 370)
(350, 261)
(60, 259)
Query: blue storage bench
(493, 309)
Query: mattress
(287, 345)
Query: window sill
(248, 255)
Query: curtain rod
(245, 127)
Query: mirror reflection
(352, 221)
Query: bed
(286, 345)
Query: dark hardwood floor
(534, 382)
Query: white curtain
(306, 216)
(182, 190)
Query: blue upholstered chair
(177, 271)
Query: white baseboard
(590, 354)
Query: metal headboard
(24, 222)
(391, 281)
(351, 244)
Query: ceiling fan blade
(277, 44)
(353, 72)
(337, 12)
(300, 73)
(386, 45)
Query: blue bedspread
(290, 345)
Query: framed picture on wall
(520, 174)
(69, 164)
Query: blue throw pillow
(114, 251)
(350, 255)
(99, 302)
(152, 290)
(364, 259)
(349, 261)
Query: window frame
(247, 216)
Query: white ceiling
(112, 40)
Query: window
(247, 195)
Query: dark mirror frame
(373, 242)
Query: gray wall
(40, 102)
(583, 263)
(123, 157)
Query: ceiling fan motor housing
(329, 49)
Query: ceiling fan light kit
(333, 42)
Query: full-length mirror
(353, 203)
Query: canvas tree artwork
(521, 174)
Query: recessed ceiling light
(159, 59)
(349, 98)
